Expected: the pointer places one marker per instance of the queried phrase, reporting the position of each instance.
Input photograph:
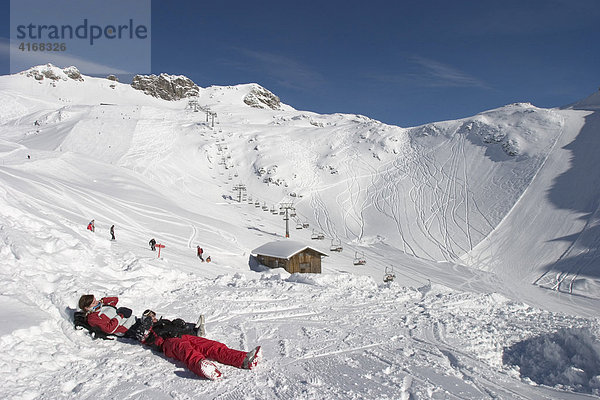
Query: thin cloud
(286, 71)
(434, 73)
(425, 72)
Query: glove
(149, 338)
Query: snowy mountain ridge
(474, 217)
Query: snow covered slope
(467, 213)
(551, 237)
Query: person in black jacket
(196, 352)
(166, 328)
(152, 244)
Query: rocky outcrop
(259, 97)
(164, 86)
(112, 78)
(73, 73)
(53, 73)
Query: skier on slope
(91, 226)
(194, 351)
(152, 244)
(112, 232)
(200, 251)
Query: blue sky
(402, 62)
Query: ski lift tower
(286, 208)
(212, 115)
(240, 187)
(193, 104)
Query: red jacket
(107, 319)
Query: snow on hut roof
(283, 249)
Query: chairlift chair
(336, 245)
(305, 225)
(265, 207)
(298, 225)
(389, 275)
(359, 260)
(257, 204)
(250, 201)
(273, 210)
(317, 236)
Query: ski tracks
(575, 260)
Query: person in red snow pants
(195, 351)
(192, 349)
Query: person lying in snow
(105, 315)
(172, 338)
(194, 351)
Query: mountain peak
(165, 86)
(54, 73)
(592, 102)
(259, 97)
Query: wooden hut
(292, 256)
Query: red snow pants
(191, 349)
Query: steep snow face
(433, 191)
(592, 102)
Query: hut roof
(283, 249)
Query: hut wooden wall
(307, 261)
(310, 259)
(272, 262)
